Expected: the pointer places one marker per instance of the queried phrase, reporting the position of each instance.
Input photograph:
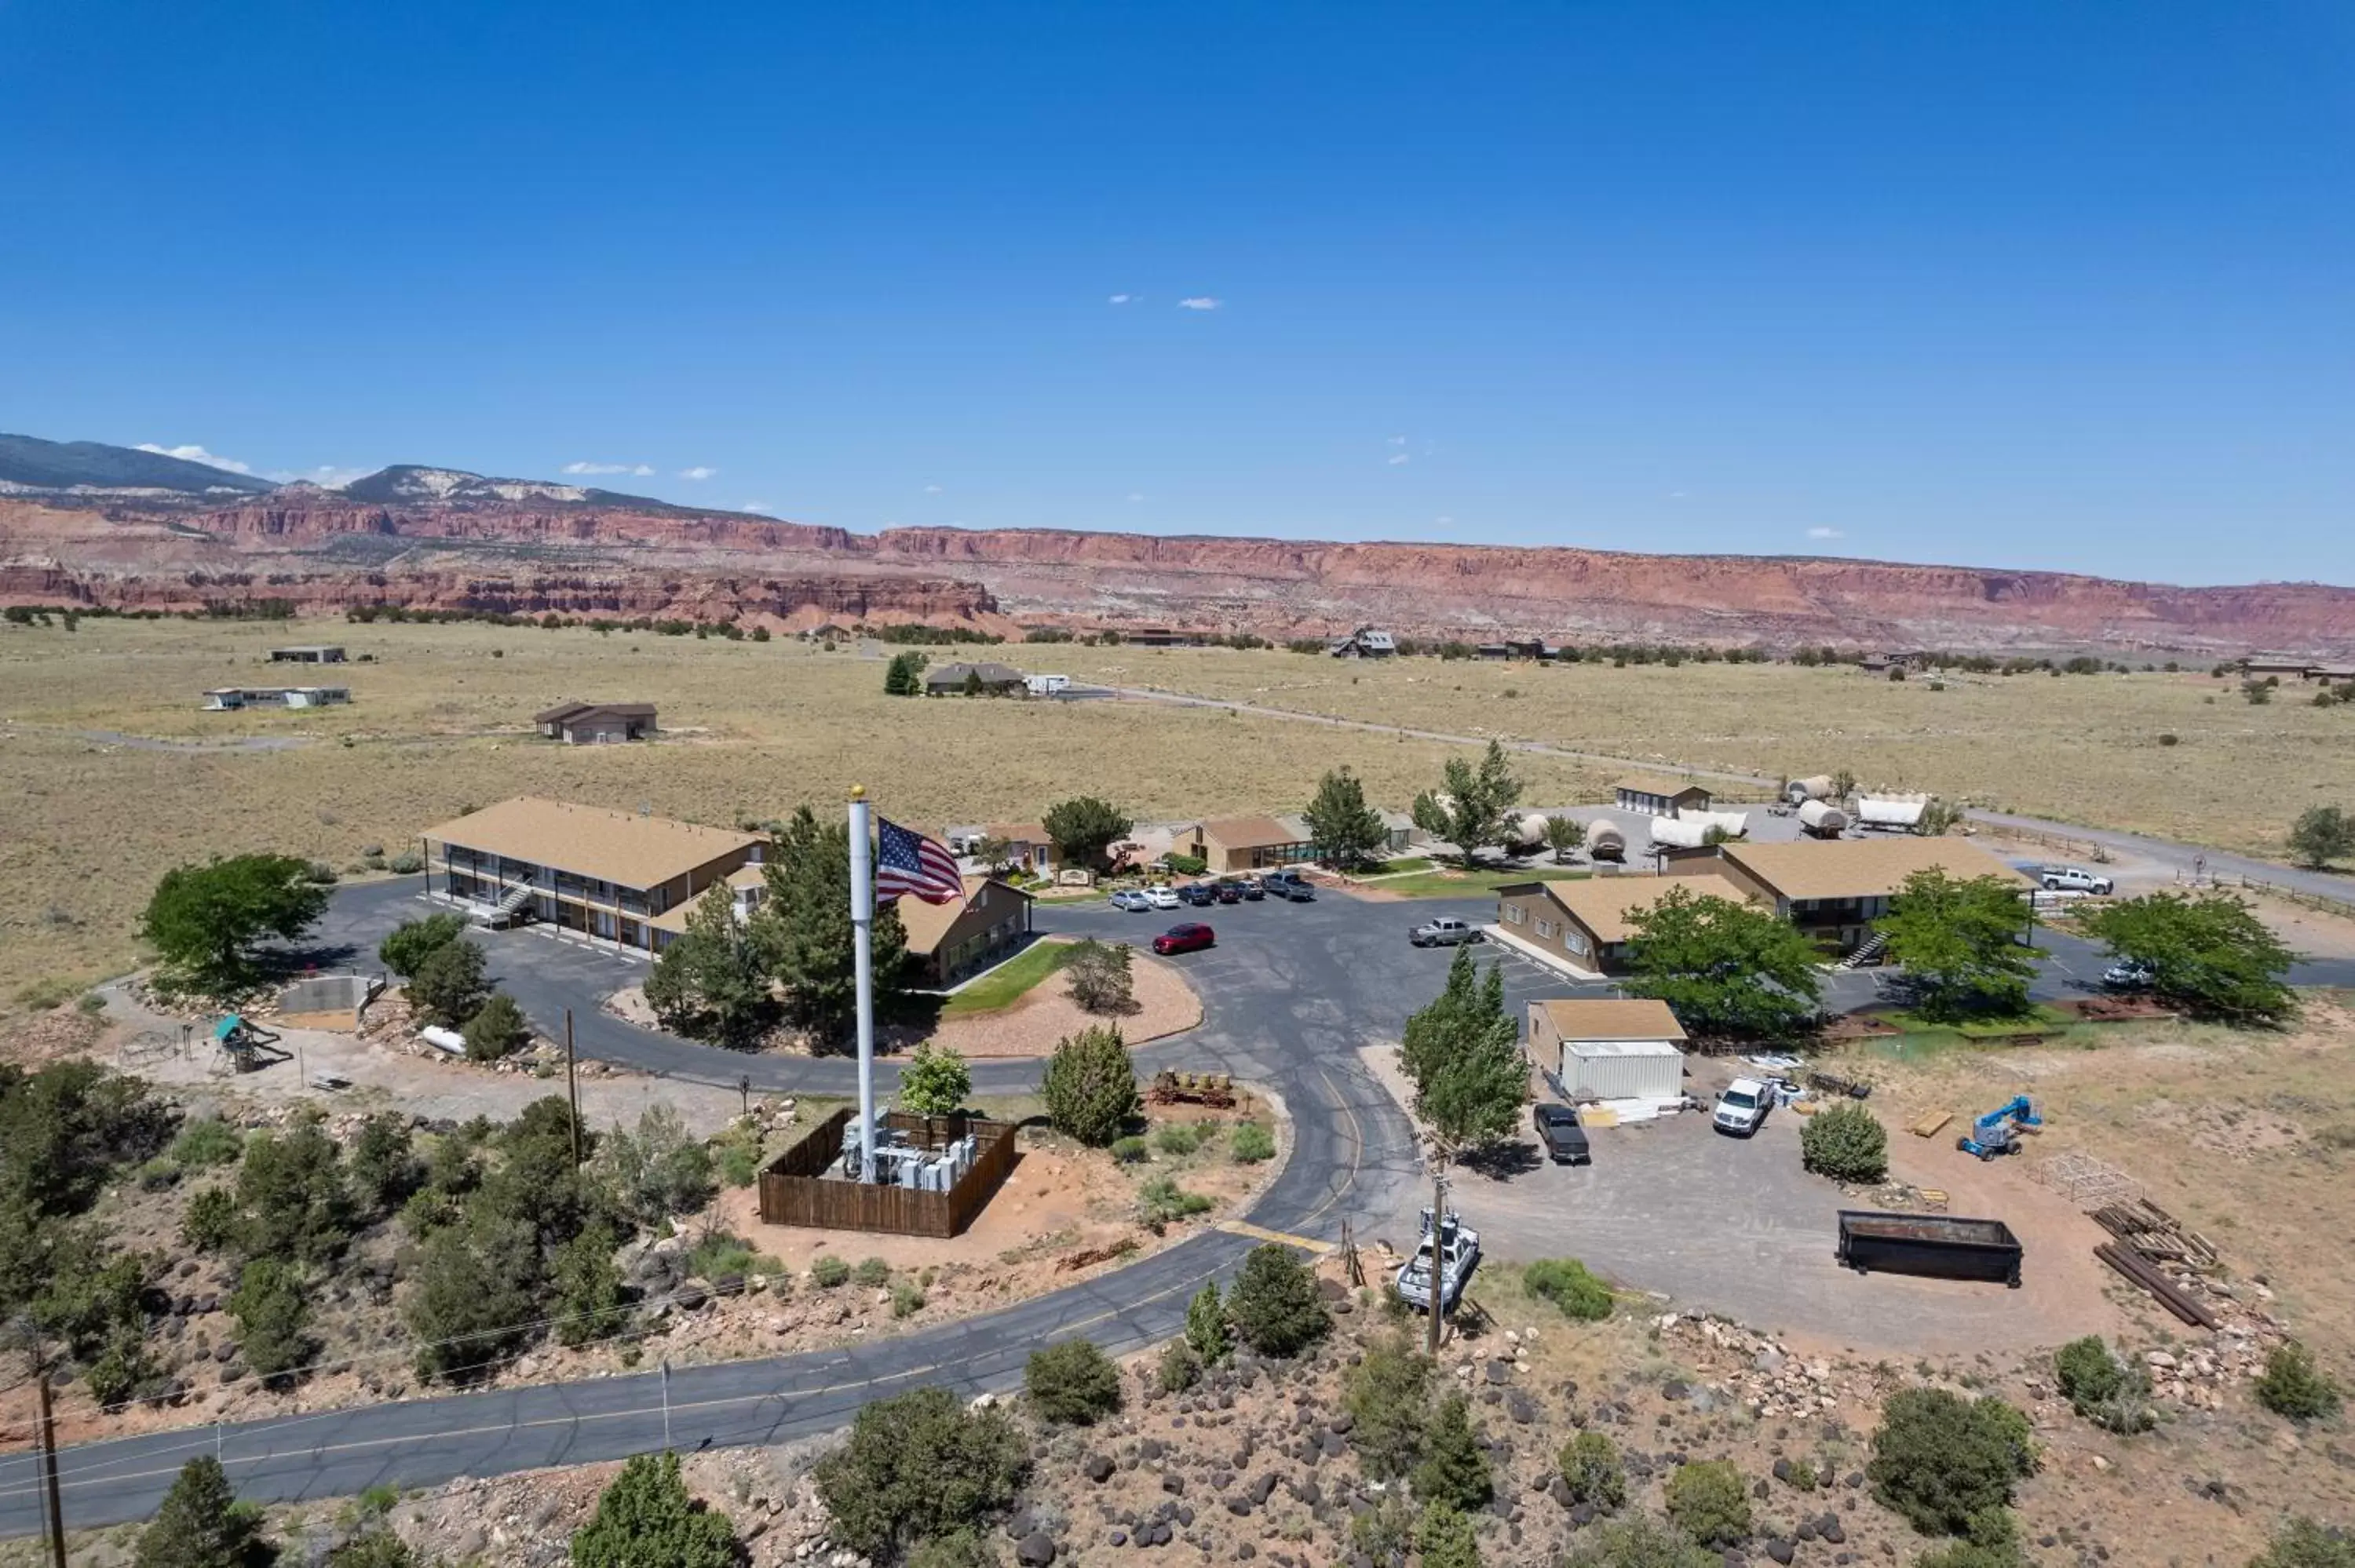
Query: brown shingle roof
(1249, 833)
(591, 841)
(1583, 1019)
(1862, 868)
(563, 712)
(926, 924)
(1659, 784)
(1602, 903)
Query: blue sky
(2038, 285)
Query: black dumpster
(1940, 1245)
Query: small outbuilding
(1365, 642)
(596, 724)
(1659, 796)
(308, 653)
(1609, 1049)
(987, 676)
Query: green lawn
(1470, 883)
(1009, 982)
(1403, 863)
(2038, 1020)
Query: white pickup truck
(1743, 1107)
(1445, 931)
(2074, 879)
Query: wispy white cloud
(1199, 302)
(754, 506)
(639, 469)
(932, 490)
(193, 453)
(326, 476)
(1826, 534)
(1397, 441)
(1397, 458)
(1122, 299)
(698, 472)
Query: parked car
(1446, 931)
(2075, 879)
(1252, 888)
(1131, 899)
(1277, 881)
(1199, 894)
(1743, 1107)
(1185, 938)
(1298, 892)
(1163, 896)
(2130, 974)
(1564, 1140)
(1231, 893)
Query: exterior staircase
(516, 903)
(1866, 952)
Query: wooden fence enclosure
(794, 1191)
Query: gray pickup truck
(1446, 931)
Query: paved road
(1291, 996)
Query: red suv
(1184, 938)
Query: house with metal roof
(1365, 642)
(596, 724)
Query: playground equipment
(1215, 1089)
(1998, 1132)
(244, 1044)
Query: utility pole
(1438, 1265)
(50, 1473)
(572, 1084)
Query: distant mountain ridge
(28, 463)
(449, 538)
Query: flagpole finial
(858, 791)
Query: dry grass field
(2079, 748)
(441, 721)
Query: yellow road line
(1261, 1232)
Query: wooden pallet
(1931, 1125)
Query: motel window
(1545, 927)
(1513, 916)
(1574, 941)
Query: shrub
(1846, 1143)
(1251, 1143)
(405, 863)
(1939, 1459)
(1072, 1384)
(1640, 1543)
(2105, 1390)
(1387, 1395)
(1098, 975)
(1274, 1305)
(1129, 1151)
(934, 1082)
(1178, 1138)
(1710, 1503)
(907, 1298)
(872, 1272)
(1565, 1282)
(211, 1223)
(737, 1157)
(447, 988)
(2302, 1543)
(1384, 1531)
(660, 1170)
(1443, 1538)
(1454, 1467)
(1090, 1086)
(206, 1142)
(271, 1317)
(497, 1030)
(957, 1549)
(830, 1271)
(1207, 1333)
(1591, 1469)
(2295, 1387)
(411, 942)
(1180, 1368)
(917, 1467)
(2170, 738)
(202, 1524)
(647, 1517)
(1162, 1202)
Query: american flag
(908, 861)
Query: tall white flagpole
(862, 944)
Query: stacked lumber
(2156, 1235)
(2146, 1273)
(1931, 1124)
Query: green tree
(803, 926)
(1472, 803)
(712, 982)
(497, 1030)
(449, 987)
(1344, 829)
(293, 1196)
(1073, 1384)
(2302, 1543)
(2207, 952)
(917, 1466)
(1387, 1395)
(411, 942)
(1726, 970)
(2295, 1387)
(659, 1171)
(1710, 1503)
(934, 1082)
(1083, 828)
(1090, 1086)
(1207, 1333)
(273, 1318)
(1942, 1460)
(972, 686)
(475, 1292)
(1640, 1543)
(374, 1547)
(589, 1302)
(1443, 1538)
(383, 1168)
(1454, 1467)
(2112, 1394)
(1273, 1305)
(205, 921)
(202, 1524)
(1959, 939)
(904, 677)
(1099, 977)
(1461, 1055)
(1846, 1143)
(1563, 835)
(645, 1520)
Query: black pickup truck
(1564, 1140)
